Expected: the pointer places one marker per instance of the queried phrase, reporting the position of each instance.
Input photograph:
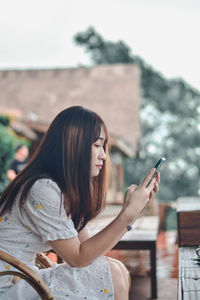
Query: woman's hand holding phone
(137, 198)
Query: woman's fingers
(129, 192)
(137, 198)
(148, 177)
(132, 187)
(158, 177)
(156, 187)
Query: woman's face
(98, 155)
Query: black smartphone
(157, 166)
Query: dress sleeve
(45, 213)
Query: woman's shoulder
(45, 186)
(47, 183)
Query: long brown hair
(64, 155)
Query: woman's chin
(95, 174)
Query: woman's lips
(99, 166)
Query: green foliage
(101, 51)
(4, 120)
(6, 153)
(8, 143)
(170, 121)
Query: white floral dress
(26, 231)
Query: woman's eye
(97, 146)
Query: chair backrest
(42, 261)
(27, 274)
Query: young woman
(49, 203)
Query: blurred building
(34, 97)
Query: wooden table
(188, 212)
(189, 275)
(143, 236)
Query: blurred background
(134, 62)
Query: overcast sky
(39, 33)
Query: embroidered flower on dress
(39, 206)
(7, 267)
(3, 219)
(36, 205)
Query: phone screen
(157, 166)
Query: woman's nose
(103, 154)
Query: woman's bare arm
(83, 235)
(79, 253)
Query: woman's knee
(120, 275)
(124, 271)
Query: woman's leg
(120, 278)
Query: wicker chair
(42, 261)
(28, 274)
